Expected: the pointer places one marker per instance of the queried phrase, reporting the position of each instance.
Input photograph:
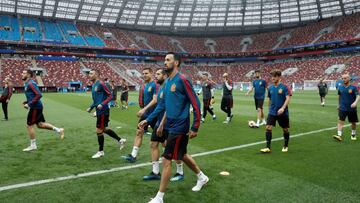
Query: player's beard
(24, 78)
(168, 71)
(257, 77)
(160, 82)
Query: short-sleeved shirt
(226, 92)
(347, 97)
(206, 89)
(277, 96)
(147, 91)
(322, 88)
(259, 86)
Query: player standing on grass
(279, 99)
(208, 97)
(160, 133)
(348, 99)
(124, 94)
(178, 95)
(5, 98)
(35, 115)
(323, 90)
(101, 96)
(227, 98)
(260, 87)
(147, 102)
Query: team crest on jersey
(350, 91)
(149, 89)
(173, 88)
(260, 83)
(280, 91)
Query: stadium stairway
(121, 73)
(39, 81)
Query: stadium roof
(185, 15)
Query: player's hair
(149, 69)
(177, 57)
(275, 73)
(257, 71)
(205, 74)
(162, 70)
(30, 72)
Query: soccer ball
(252, 124)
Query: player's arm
(126, 89)
(287, 93)
(228, 86)
(353, 105)
(37, 93)
(194, 100)
(9, 94)
(160, 108)
(161, 126)
(108, 94)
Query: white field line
(93, 173)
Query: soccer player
(114, 93)
(35, 115)
(147, 102)
(178, 95)
(101, 96)
(348, 100)
(124, 94)
(323, 90)
(260, 87)
(159, 135)
(208, 97)
(279, 99)
(5, 97)
(227, 98)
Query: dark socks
(101, 141)
(268, 138)
(112, 134)
(286, 139)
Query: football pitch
(316, 168)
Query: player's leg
(204, 113)
(285, 125)
(340, 125)
(268, 133)
(179, 171)
(101, 140)
(137, 144)
(155, 154)
(110, 132)
(353, 119)
(32, 136)
(49, 126)
(5, 110)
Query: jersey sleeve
(160, 108)
(107, 92)
(356, 91)
(287, 91)
(194, 100)
(37, 93)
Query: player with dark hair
(279, 99)
(323, 90)
(124, 97)
(5, 97)
(208, 97)
(101, 96)
(35, 115)
(260, 86)
(227, 98)
(147, 102)
(348, 100)
(178, 95)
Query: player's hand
(99, 106)
(26, 106)
(142, 124)
(159, 130)
(353, 105)
(280, 111)
(192, 134)
(88, 110)
(141, 113)
(212, 101)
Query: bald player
(348, 100)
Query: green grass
(316, 168)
